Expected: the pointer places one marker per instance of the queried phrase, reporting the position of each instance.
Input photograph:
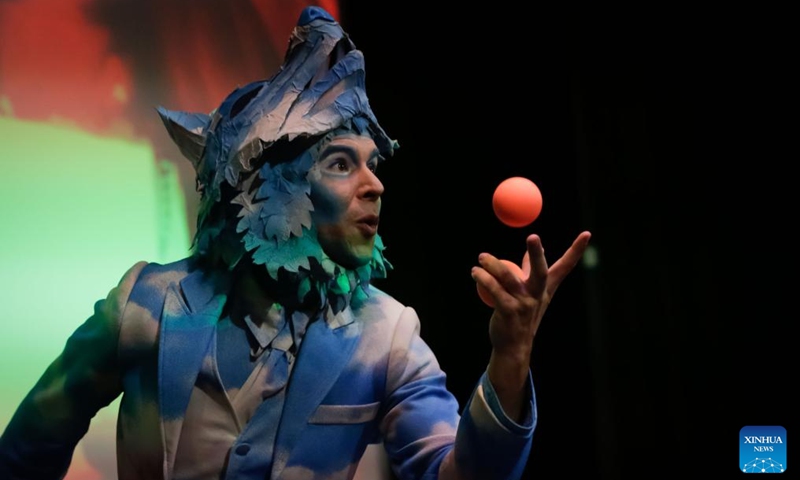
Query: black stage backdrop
(664, 134)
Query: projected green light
(77, 211)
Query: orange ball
(485, 295)
(517, 202)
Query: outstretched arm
(40, 439)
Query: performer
(267, 353)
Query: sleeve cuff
(487, 396)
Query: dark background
(668, 135)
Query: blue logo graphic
(762, 449)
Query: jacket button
(242, 449)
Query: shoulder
(154, 279)
(157, 275)
(379, 305)
(381, 311)
(147, 284)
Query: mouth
(368, 225)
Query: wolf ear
(188, 131)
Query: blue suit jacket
(363, 377)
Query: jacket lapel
(325, 351)
(189, 318)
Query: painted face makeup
(346, 195)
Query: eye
(339, 165)
(373, 163)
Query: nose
(371, 187)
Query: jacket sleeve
(424, 434)
(39, 441)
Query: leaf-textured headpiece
(253, 152)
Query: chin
(356, 261)
(353, 257)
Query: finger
(492, 286)
(505, 272)
(559, 271)
(537, 276)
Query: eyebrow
(350, 151)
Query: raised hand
(519, 305)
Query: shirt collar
(274, 331)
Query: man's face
(347, 198)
